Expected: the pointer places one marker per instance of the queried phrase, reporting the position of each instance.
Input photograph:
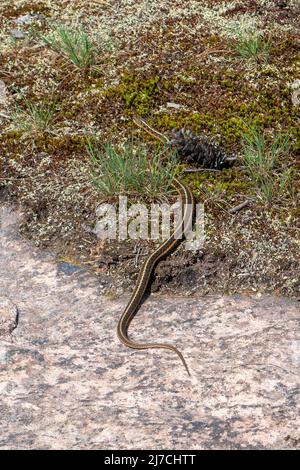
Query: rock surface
(8, 316)
(66, 381)
(17, 34)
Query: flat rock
(24, 19)
(67, 383)
(17, 34)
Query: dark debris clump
(200, 151)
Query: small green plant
(132, 170)
(262, 161)
(253, 46)
(75, 45)
(35, 117)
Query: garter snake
(184, 226)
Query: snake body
(143, 280)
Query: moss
(64, 145)
(226, 130)
(137, 94)
(232, 186)
(12, 144)
(28, 7)
(181, 78)
(168, 122)
(225, 184)
(98, 84)
(11, 136)
(227, 83)
(231, 101)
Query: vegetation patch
(132, 170)
(137, 94)
(225, 71)
(34, 117)
(253, 46)
(262, 162)
(74, 45)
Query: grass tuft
(262, 161)
(75, 45)
(132, 170)
(35, 117)
(253, 46)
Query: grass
(35, 117)
(74, 45)
(252, 46)
(132, 170)
(262, 162)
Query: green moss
(167, 122)
(228, 129)
(137, 94)
(62, 146)
(232, 101)
(97, 84)
(225, 184)
(11, 143)
(11, 136)
(227, 83)
(185, 78)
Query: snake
(164, 250)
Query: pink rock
(8, 316)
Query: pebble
(17, 34)
(24, 19)
(174, 105)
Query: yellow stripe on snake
(167, 247)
